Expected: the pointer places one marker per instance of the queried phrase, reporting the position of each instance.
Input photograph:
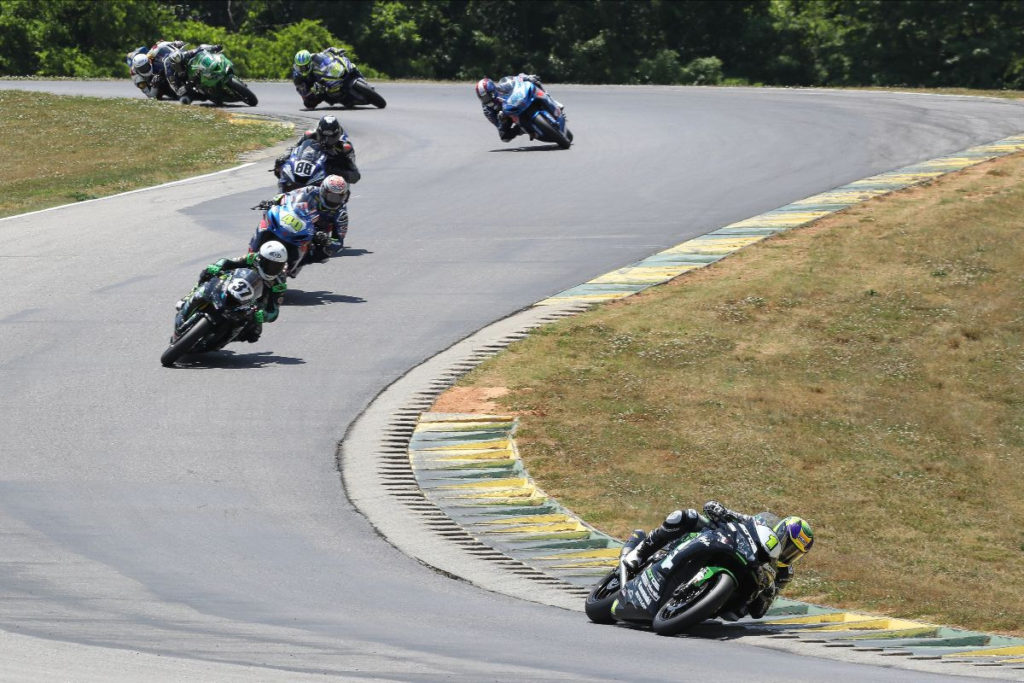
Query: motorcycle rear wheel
(599, 603)
(369, 94)
(184, 344)
(551, 132)
(681, 612)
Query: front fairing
(521, 97)
(291, 224)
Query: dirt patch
(470, 400)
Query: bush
(665, 69)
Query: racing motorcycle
(214, 314)
(714, 572)
(291, 224)
(306, 165)
(537, 114)
(212, 77)
(338, 81)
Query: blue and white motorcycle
(290, 223)
(537, 114)
(306, 165)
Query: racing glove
(716, 511)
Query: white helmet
(141, 65)
(271, 260)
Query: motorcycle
(338, 81)
(214, 314)
(306, 165)
(213, 77)
(292, 225)
(537, 114)
(714, 572)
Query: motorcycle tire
(369, 94)
(242, 90)
(674, 617)
(184, 343)
(551, 132)
(599, 603)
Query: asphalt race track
(190, 523)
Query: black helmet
(329, 130)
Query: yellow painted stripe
(458, 418)
(501, 444)
(463, 425)
(499, 498)
(952, 162)
(881, 624)
(898, 178)
(489, 456)
(526, 519)
(991, 652)
(584, 298)
(642, 274)
(782, 218)
(832, 618)
(538, 528)
(842, 197)
(713, 246)
(492, 484)
(441, 453)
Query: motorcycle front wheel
(243, 92)
(689, 606)
(184, 343)
(602, 597)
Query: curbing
(477, 516)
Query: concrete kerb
(374, 457)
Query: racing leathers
(493, 110)
(331, 225)
(268, 306)
(640, 546)
(307, 83)
(341, 157)
(175, 66)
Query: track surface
(197, 513)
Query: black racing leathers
(682, 522)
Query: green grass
(64, 149)
(865, 372)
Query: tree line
(926, 43)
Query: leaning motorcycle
(338, 81)
(306, 165)
(717, 571)
(291, 224)
(537, 114)
(212, 76)
(214, 314)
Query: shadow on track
(545, 148)
(709, 630)
(297, 297)
(229, 360)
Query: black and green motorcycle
(211, 76)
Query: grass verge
(63, 149)
(864, 372)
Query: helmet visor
(271, 268)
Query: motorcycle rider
(492, 98)
(794, 534)
(176, 70)
(492, 104)
(141, 70)
(306, 68)
(329, 204)
(341, 155)
(269, 263)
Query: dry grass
(864, 372)
(62, 149)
